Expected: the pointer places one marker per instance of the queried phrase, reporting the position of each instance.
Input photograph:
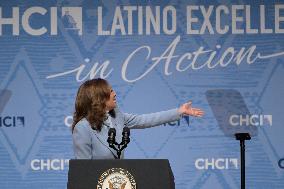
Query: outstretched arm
(158, 118)
(150, 120)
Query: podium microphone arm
(114, 145)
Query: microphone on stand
(111, 137)
(114, 145)
(125, 136)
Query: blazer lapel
(103, 136)
(116, 125)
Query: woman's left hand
(187, 109)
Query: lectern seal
(116, 178)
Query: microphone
(125, 136)
(114, 145)
(111, 137)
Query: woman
(96, 112)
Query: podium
(147, 173)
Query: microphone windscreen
(111, 131)
(126, 130)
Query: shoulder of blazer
(119, 116)
(82, 126)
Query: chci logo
(116, 178)
(12, 121)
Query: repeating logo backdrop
(227, 57)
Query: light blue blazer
(92, 144)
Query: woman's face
(111, 102)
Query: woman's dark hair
(91, 103)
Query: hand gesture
(187, 109)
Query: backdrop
(225, 56)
